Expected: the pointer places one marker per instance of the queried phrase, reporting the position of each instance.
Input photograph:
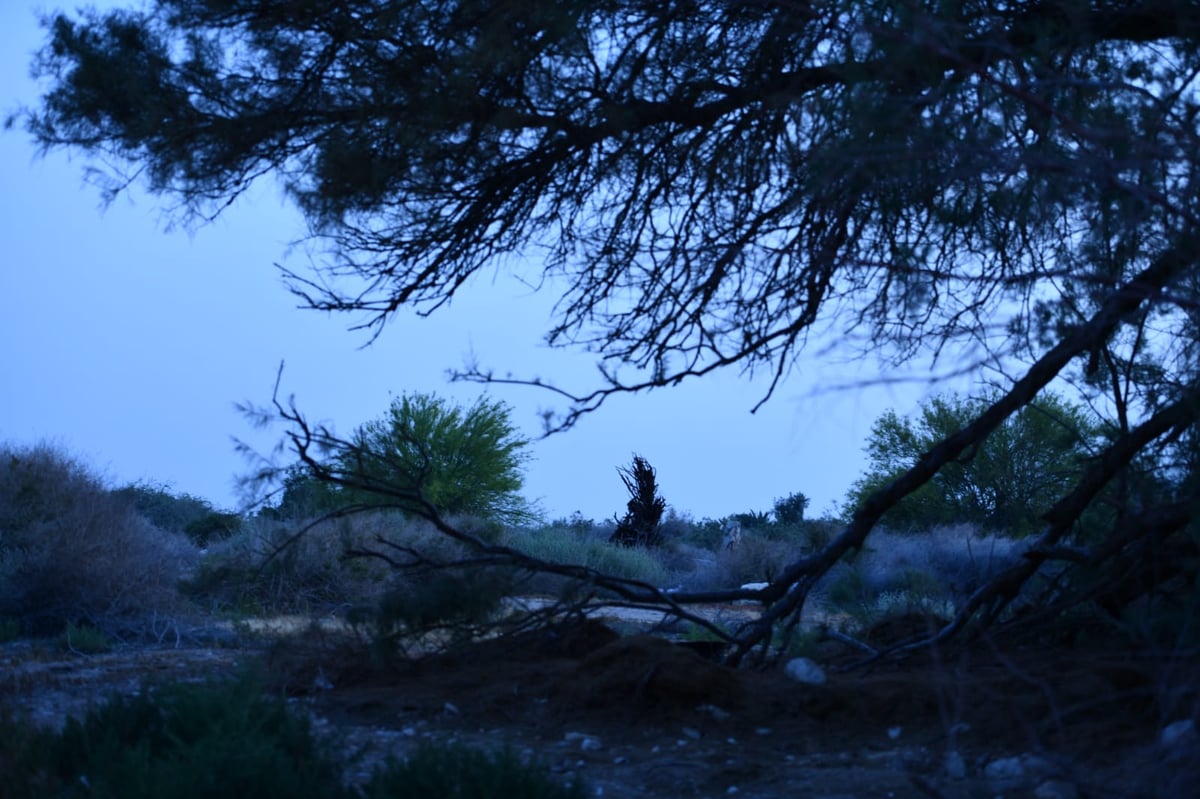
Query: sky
(129, 343)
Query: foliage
(459, 460)
(458, 601)
(789, 510)
(559, 545)
(714, 185)
(71, 551)
(304, 496)
(180, 512)
(435, 771)
(224, 739)
(213, 740)
(10, 630)
(642, 523)
(1004, 484)
(266, 568)
(85, 640)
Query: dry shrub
(71, 551)
(273, 566)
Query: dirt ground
(639, 716)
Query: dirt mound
(644, 673)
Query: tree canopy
(711, 183)
(424, 452)
(1004, 484)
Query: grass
(84, 640)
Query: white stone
(717, 713)
(587, 743)
(1176, 733)
(1056, 789)
(805, 671)
(956, 768)
(1005, 769)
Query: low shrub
(227, 739)
(458, 604)
(559, 545)
(10, 630)
(84, 640)
(271, 566)
(71, 551)
(213, 740)
(436, 771)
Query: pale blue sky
(129, 344)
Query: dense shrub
(181, 512)
(71, 551)
(938, 568)
(272, 566)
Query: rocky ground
(638, 716)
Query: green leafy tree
(460, 460)
(1004, 484)
(304, 496)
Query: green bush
(440, 771)
(462, 461)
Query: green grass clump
(84, 640)
(10, 630)
(441, 771)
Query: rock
(1056, 789)
(1178, 735)
(587, 743)
(955, 766)
(1009, 773)
(805, 671)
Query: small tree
(462, 461)
(1004, 484)
(642, 524)
(789, 511)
